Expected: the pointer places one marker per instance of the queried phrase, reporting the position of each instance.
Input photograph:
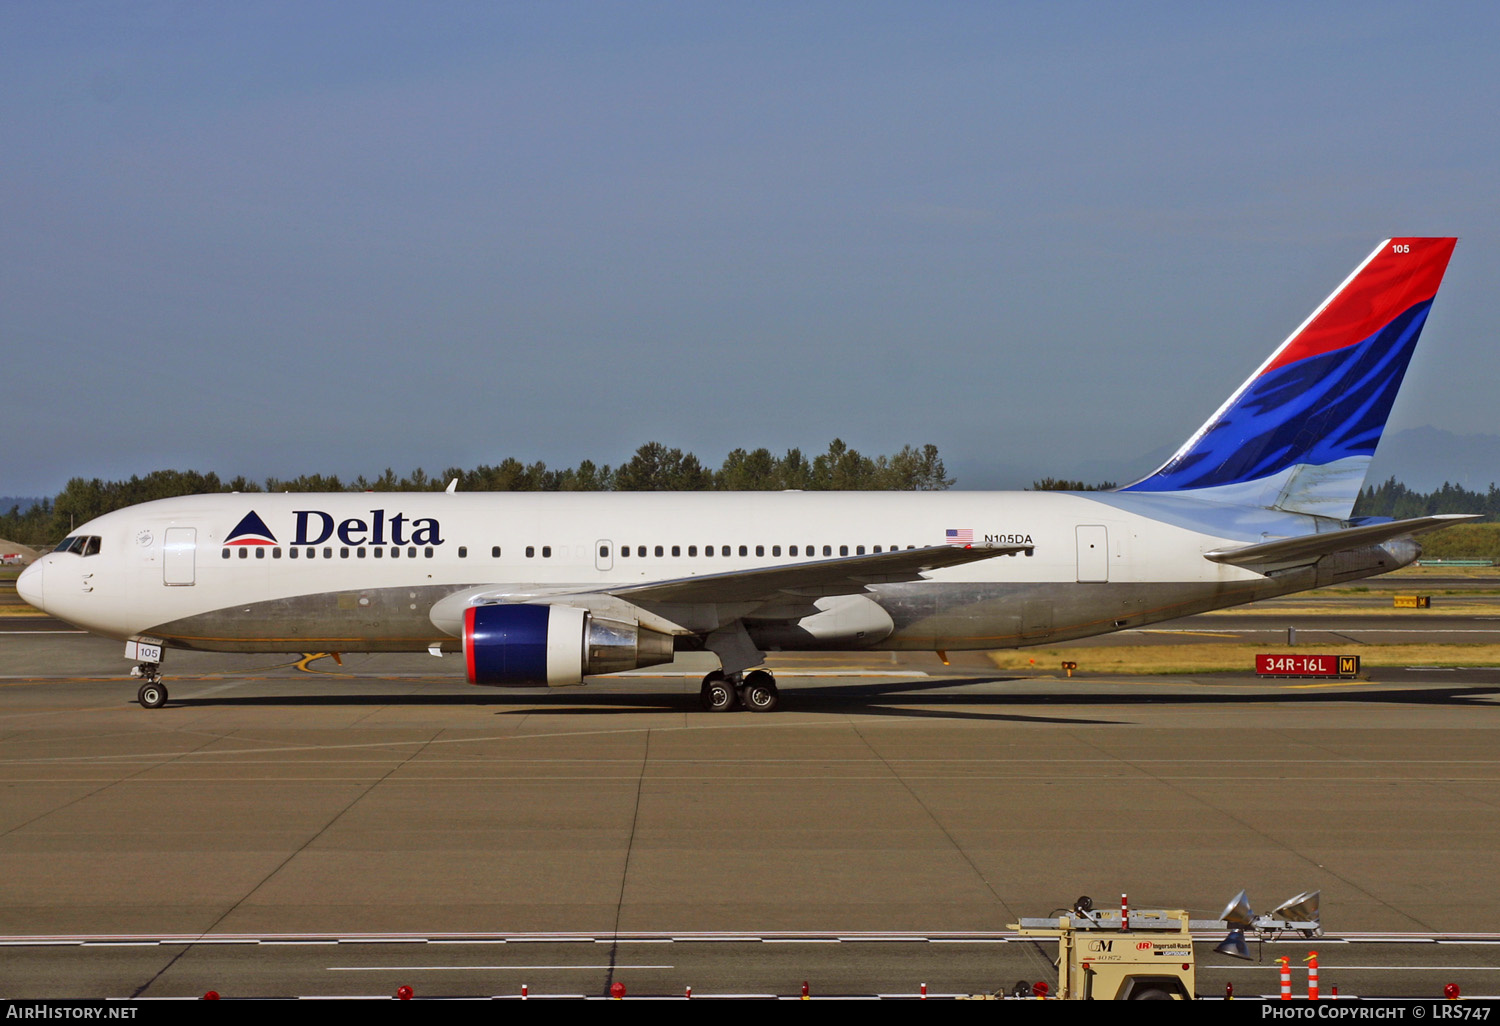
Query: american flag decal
(959, 536)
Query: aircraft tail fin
(1300, 433)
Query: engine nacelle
(513, 645)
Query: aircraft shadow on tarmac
(912, 699)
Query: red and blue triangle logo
(251, 531)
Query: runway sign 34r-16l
(1299, 665)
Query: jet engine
(515, 645)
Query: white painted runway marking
(1382, 968)
(484, 968)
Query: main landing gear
(153, 693)
(755, 691)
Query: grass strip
(1149, 660)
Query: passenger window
(411, 552)
(312, 553)
(877, 549)
(530, 552)
(744, 551)
(226, 553)
(760, 550)
(260, 553)
(427, 552)
(640, 550)
(827, 550)
(692, 550)
(360, 552)
(724, 550)
(276, 553)
(463, 552)
(843, 550)
(395, 553)
(676, 550)
(604, 552)
(328, 552)
(291, 553)
(624, 552)
(658, 552)
(546, 551)
(343, 553)
(859, 550)
(244, 553)
(494, 552)
(775, 550)
(792, 550)
(708, 550)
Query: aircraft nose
(29, 585)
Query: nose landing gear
(153, 693)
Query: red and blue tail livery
(1300, 433)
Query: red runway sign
(1299, 665)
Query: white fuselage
(386, 571)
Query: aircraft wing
(839, 576)
(1310, 547)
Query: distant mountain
(1424, 458)
(7, 501)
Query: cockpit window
(81, 544)
(91, 545)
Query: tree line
(1394, 499)
(654, 467)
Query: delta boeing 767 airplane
(549, 588)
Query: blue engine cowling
(513, 645)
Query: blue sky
(334, 237)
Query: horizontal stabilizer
(1310, 547)
(840, 576)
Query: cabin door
(1093, 554)
(179, 551)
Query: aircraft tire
(760, 693)
(152, 695)
(717, 694)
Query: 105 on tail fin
(1300, 433)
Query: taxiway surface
(294, 826)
